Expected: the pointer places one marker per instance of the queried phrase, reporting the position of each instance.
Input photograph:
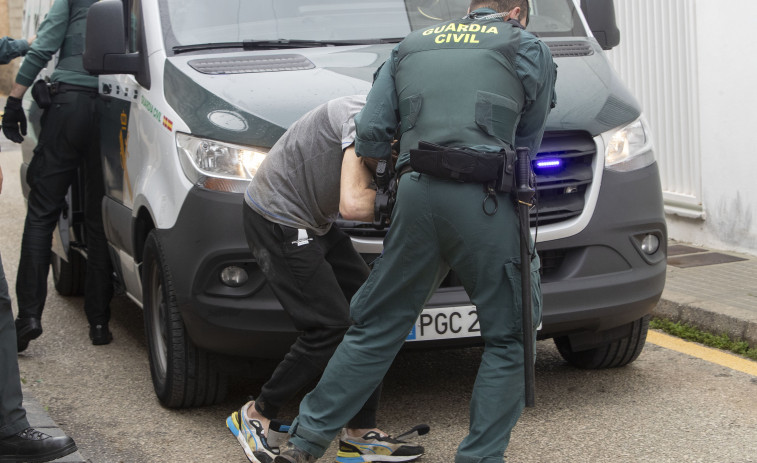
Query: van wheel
(69, 277)
(614, 354)
(182, 373)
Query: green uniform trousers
(437, 225)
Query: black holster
(466, 165)
(41, 94)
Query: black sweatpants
(314, 278)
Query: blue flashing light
(548, 164)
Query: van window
(191, 22)
(555, 18)
(134, 19)
(218, 21)
(548, 17)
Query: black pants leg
(98, 287)
(314, 282)
(12, 413)
(69, 139)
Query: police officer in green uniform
(479, 83)
(69, 139)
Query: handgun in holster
(386, 192)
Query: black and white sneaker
(373, 446)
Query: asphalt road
(665, 407)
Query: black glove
(14, 120)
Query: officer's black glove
(14, 120)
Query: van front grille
(249, 64)
(561, 190)
(562, 49)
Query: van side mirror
(600, 14)
(105, 50)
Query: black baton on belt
(525, 194)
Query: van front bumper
(602, 278)
(244, 321)
(598, 279)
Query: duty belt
(62, 87)
(407, 168)
(494, 170)
(462, 164)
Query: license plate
(446, 323)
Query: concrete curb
(711, 321)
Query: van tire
(69, 277)
(183, 374)
(614, 354)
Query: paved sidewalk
(713, 290)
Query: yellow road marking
(709, 354)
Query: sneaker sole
(68, 450)
(102, 341)
(344, 457)
(240, 438)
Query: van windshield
(193, 22)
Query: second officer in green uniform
(69, 139)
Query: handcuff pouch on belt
(41, 93)
(466, 165)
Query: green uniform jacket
(473, 82)
(10, 48)
(62, 29)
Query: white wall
(693, 66)
(728, 92)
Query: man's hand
(14, 120)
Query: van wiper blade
(279, 43)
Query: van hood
(590, 95)
(253, 97)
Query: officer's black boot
(100, 334)
(26, 330)
(33, 446)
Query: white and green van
(198, 91)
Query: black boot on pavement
(294, 455)
(100, 334)
(26, 330)
(33, 446)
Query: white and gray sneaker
(251, 437)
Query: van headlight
(216, 165)
(629, 148)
